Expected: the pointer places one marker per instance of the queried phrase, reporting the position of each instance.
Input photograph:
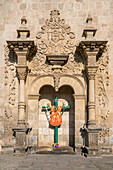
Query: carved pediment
(56, 46)
(55, 36)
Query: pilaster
(23, 48)
(91, 49)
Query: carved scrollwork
(10, 77)
(55, 37)
(102, 83)
(75, 65)
(11, 93)
(38, 65)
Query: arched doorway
(67, 129)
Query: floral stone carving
(11, 82)
(11, 93)
(102, 83)
(55, 37)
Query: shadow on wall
(65, 96)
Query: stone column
(92, 131)
(22, 72)
(91, 72)
(92, 49)
(23, 48)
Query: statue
(56, 117)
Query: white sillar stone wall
(74, 12)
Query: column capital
(91, 72)
(22, 72)
(91, 50)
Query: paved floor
(55, 162)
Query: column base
(94, 151)
(20, 132)
(91, 124)
(91, 137)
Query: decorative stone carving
(102, 83)
(55, 37)
(93, 139)
(75, 64)
(22, 72)
(38, 65)
(23, 31)
(56, 80)
(10, 77)
(89, 31)
(91, 72)
(11, 99)
(104, 135)
(20, 140)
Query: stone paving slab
(55, 162)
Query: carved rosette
(22, 72)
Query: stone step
(53, 150)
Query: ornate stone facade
(63, 54)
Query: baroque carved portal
(56, 38)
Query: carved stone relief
(104, 136)
(56, 38)
(102, 111)
(102, 83)
(38, 65)
(11, 93)
(10, 77)
(56, 80)
(75, 64)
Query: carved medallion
(55, 36)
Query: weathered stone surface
(57, 33)
(23, 6)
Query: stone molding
(22, 46)
(33, 96)
(21, 105)
(91, 105)
(78, 96)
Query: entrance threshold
(53, 150)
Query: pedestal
(91, 141)
(20, 133)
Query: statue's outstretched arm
(46, 107)
(64, 107)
